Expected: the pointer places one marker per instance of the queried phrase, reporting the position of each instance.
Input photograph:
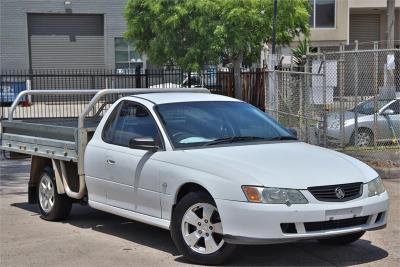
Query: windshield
(367, 107)
(194, 124)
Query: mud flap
(32, 191)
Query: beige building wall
(337, 35)
(369, 3)
(344, 9)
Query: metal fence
(296, 100)
(14, 81)
(344, 100)
(356, 46)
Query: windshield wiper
(233, 139)
(280, 138)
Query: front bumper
(333, 135)
(254, 223)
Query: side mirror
(143, 143)
(387, 112)
(292, 131)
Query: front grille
(330, 192)
(335, 224)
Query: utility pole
(390, 42)
(272, 95)
(390, 80)
(274, 27)
(390, 23)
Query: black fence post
(189, 82)
(138, 77)
(232, 71)
(92, 81)
(1, 95)
(146, 75)
(181, 76)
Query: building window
(322, 13)
(126, 58)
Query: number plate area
(339, 214)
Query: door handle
(110, 161)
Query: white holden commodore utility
(218, 172)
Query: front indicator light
(272, 195)
(252, 194)
(375, 187)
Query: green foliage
(192, 33)
(300, 52)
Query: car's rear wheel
(52, 206)
(196, 229)
(342, 239)
(364, 138)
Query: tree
(193, 33)
(300, 52)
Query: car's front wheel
(196, 229)
(342, 239)
(365, 138)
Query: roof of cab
(164, 98)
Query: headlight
(271, 195)
(375, 187)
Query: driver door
(134, 181)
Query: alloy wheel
(46, 193)
(202, 228)
(363, 139)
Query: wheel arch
(188, 187)
(364, 128)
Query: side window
(395, 107)
(130, 120)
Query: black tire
(62, 203)
(342, 239)
(216, 258)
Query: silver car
(387, 128)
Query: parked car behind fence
(365, 125)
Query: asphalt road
(94, 238)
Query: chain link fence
(345, 100)
(356, 46)
(294, 102)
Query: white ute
(213, 170)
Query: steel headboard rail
(47, 92)
(98, 94)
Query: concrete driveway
(95, 238)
